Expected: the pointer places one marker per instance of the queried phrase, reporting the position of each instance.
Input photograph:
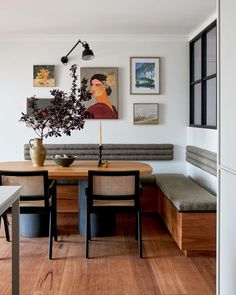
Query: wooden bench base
(67, 198)
(194, 232)
(149, 202)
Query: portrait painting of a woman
(103, 88)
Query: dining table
(78, 170)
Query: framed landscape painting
(44, 76)
(41, 103)
(146, 113)
(102, 83)
(145, 75)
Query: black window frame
(203, 80)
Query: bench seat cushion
(184, 193)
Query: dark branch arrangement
(65, 113)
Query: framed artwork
(145, 75)
(103, 85)
(41, 103)
(44, 76)
(145, 113)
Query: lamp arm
(74, 47)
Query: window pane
(197, 104)
(197, 60)
(211, 51)
(211, 102)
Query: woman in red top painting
(101, 90)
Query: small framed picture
(44, 76)
(145, 75)
(41, 103)
(145, 113)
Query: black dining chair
(6, 225)
(37, 195)
(117, 191)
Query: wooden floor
(114, 267)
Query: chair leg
(136, 225)
(139, 234)
(6, 225)
(50, 239)
(55, 225)
(55, 215)
(89, 227)
(87, 232)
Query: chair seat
(113, 203)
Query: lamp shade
(87, 53)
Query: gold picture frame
(145, 113)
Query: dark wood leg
(50, 240)
(87, 232)
(55, 217)
(136, 225)
(140, 234)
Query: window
(203, 79)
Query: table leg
(15, 248)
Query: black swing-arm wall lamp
(87, 53)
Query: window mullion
(204, 70)
(200, 87)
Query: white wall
(18, 55)
(201, 137)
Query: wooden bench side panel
(149, 200)
(171, 217)
(194, 232)
(199, 231)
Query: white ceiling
(152, 17)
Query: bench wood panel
(194, 232)
(67, 198)
(170, 217)
(199, 231)
(149, 200)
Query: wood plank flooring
(114, 267)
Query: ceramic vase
(37, 152)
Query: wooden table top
(78, 169)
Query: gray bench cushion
(202, 159)
(185, 194)
(142, 152)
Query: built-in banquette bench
(67, 192)
(187, 209)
